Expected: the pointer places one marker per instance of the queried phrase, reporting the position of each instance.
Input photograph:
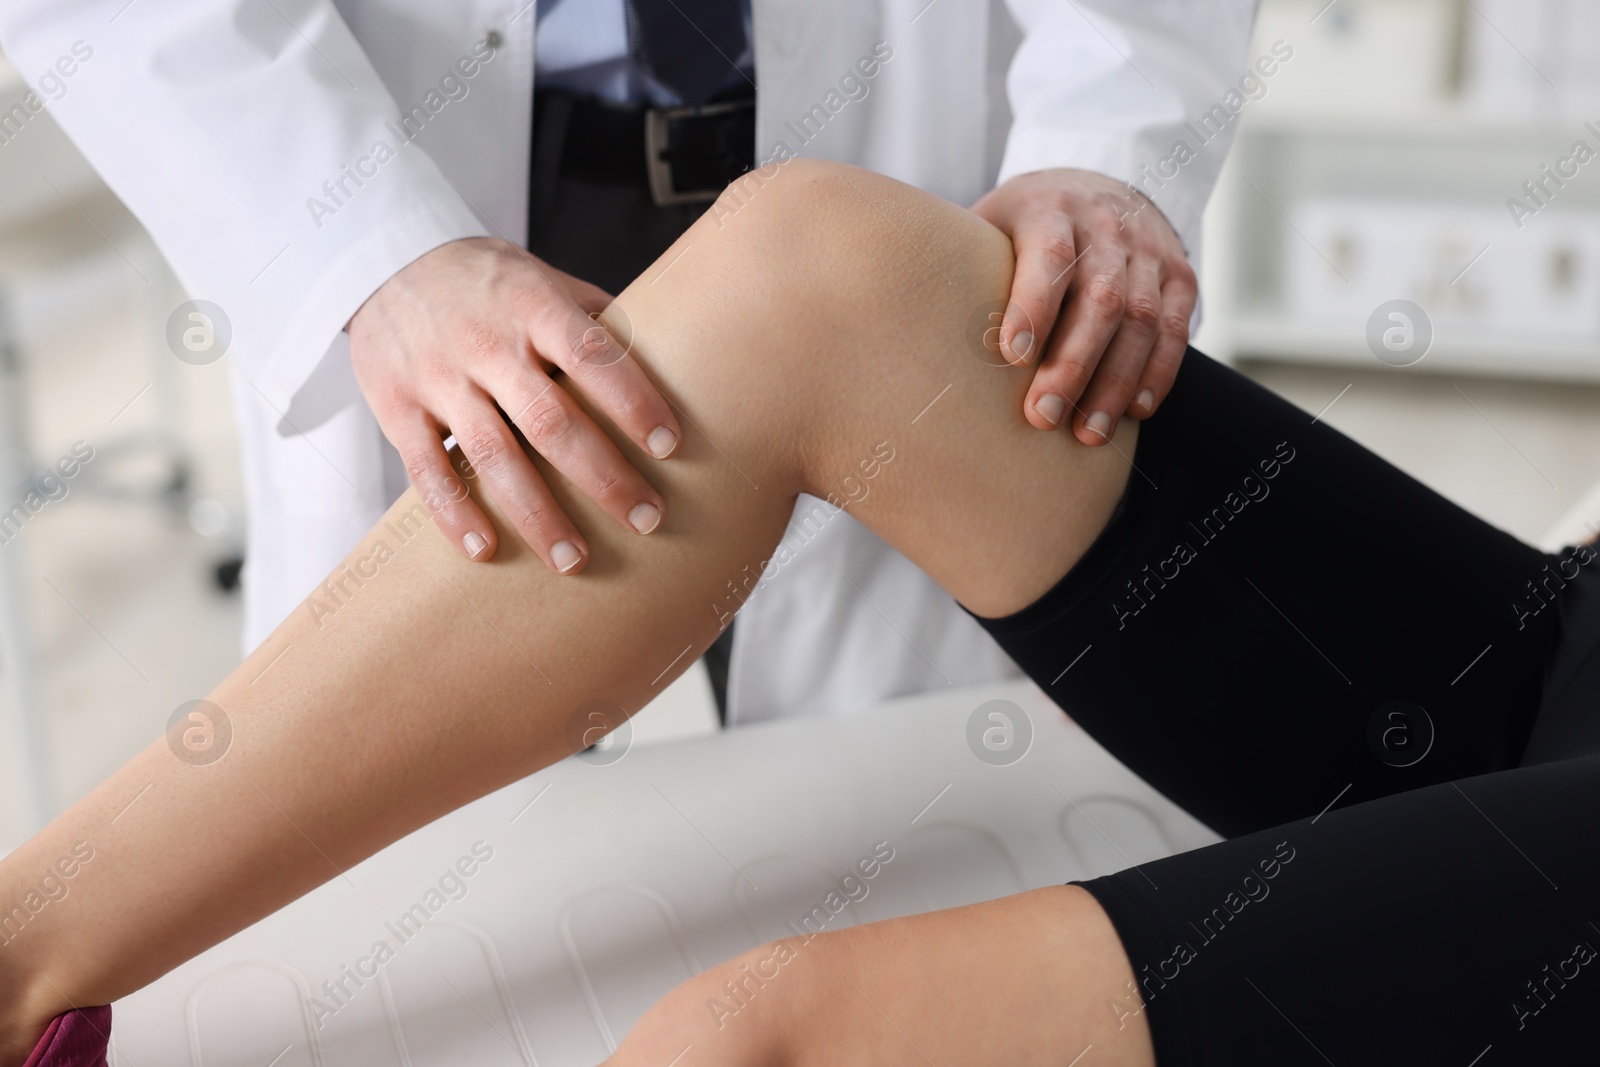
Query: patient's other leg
(803, 329)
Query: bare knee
(737, 1012)
(804, 285)
(824, 317)
(861, 239)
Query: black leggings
(1388, 706)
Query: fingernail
(645, 517)
(1146, 400)
(565, 555)
(1100, 423)
(1051, 407)
(662, 441)
(1021, 344)
(474, 542)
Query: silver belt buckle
(659, 170)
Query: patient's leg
(811, 326)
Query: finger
(599, 361)
(1117, 375)
(511, 481)
(587, 295)
(1046, 254)
(1178, 297)
(563, 433)
(416, 435)
(1095, 302)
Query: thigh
(1442, 925)
(1276, 618)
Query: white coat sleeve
(1109, 86)
(222, 124)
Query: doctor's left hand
(1101, 298)
(478, 324)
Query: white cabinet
(1363, 180)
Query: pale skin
(1099, 303)
(834, 309)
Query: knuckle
(532, 516)
(1060, 201)
(419, 466)
(1105, 296)
(1176, 325)
(1105, 201)
(605, 481)
(1143, 313)
(528, 302)
(391, 398)
(592, 344)
(481, 340)
(485, 446)
(1182, 272)
(547, 420)
(1056, 208)
(1057, 250)
(439, 367)
(550, 312)
(634, 410)
(1108, 209)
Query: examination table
(597, 885)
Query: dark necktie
(690, 46)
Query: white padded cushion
(619, 881)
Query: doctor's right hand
(480, 323)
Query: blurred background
(1383, 160)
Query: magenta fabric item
(76, 1039)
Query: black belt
(681, 155)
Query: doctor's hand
(1101, 298)
(479, 323)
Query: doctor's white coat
(246, 134)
